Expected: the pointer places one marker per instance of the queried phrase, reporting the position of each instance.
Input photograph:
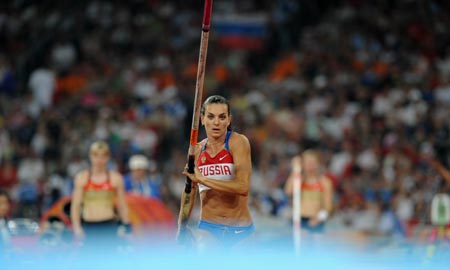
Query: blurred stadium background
(366, 82)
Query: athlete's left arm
(122, 206)
(240, 149)
(327, 194)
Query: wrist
(127, 227)
(201, 180)
(322, 215)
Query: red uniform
(219, 167)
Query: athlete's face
(216, 119)
(99, 158)
(310, 163)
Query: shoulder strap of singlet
(227, 139)
(204, 146)
(108, 178)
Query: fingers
(195, 177)
(190, 176)
(296, 164)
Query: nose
(216, 121)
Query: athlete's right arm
(288, 186)
(75, 208)
(184, 235)
(186, 205)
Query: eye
(223, 117)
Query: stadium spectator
(143, 178)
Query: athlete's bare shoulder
(326, 181)
(81, 177)
(116, 177)
(199, 145)
(238, 137)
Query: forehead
(99, 152)
(311, 157)
(216, 108)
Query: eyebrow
(220, 114)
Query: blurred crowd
(365, 82)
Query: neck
(311, 175)
(217, 140)
(98, 170)
(215, 146)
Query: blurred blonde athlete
(316, 190)
(93, 211)
(223, 169)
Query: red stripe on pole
(207, 15)
(194, 136)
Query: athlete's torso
(98, 199)
(221, 207)
(312, 197)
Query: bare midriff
(225, 208)
(98, 205)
